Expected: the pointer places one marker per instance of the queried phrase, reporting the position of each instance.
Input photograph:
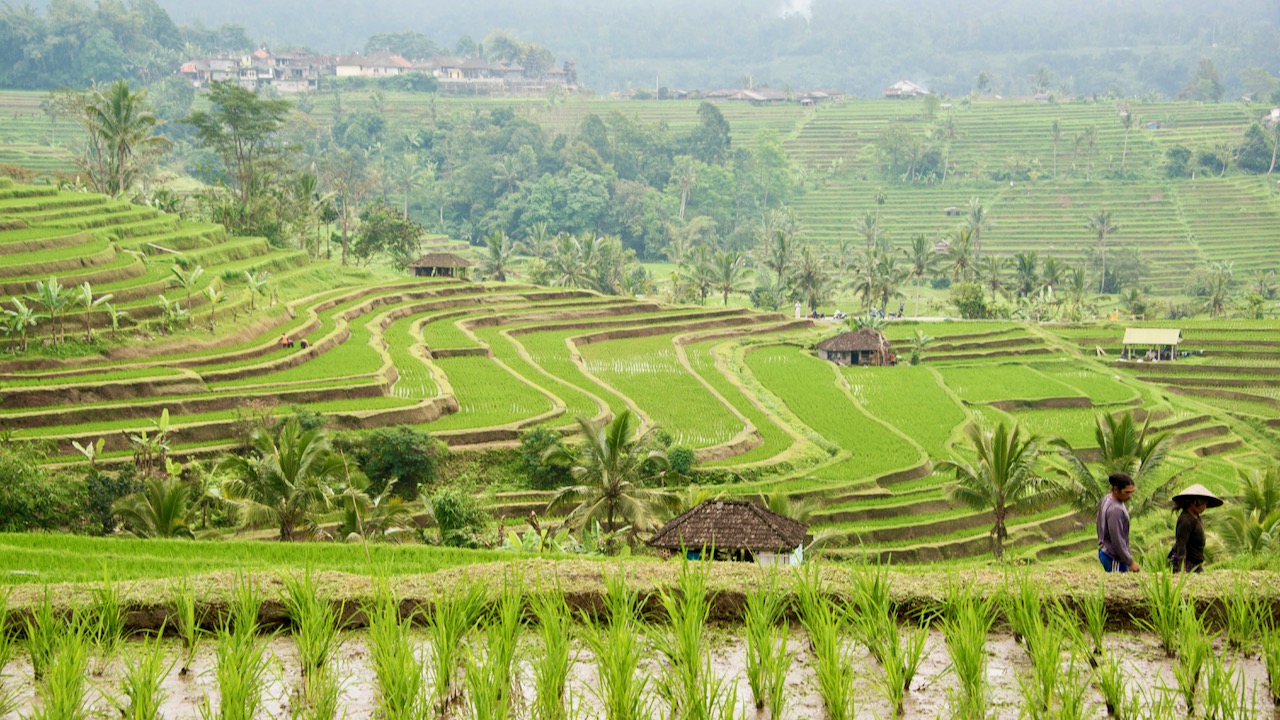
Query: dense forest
(1086, 47)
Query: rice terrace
(616, 407)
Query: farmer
(1188, 543)
(1113, 526)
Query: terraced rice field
(478, 364)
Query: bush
(542, 476)
(459, 516)
(681, 459)
(31, 499)
(408, 457)
(101, 490)
(970, 301)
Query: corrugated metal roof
(1152, 336)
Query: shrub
(970, 301)
(459, 517)
(681, 459)
(101, 491)
(403, 455)
(31, 499)
(533, 445)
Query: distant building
(734, 530)
(286, 73)
(380, 65)
(864, 347)
(905, 89)
(440, 265)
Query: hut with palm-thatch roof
(734, 530)
(440, 265)
(866, 346)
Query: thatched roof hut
(863, 347)
(440, 265)
(734, 530)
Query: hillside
(477, 364)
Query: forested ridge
(1086, 48)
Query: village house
(864, 347)
(905, 89)
(735, 530)
(286, 73)
(440, 264)
(380, 65)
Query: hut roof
(731, 525)
(1152, 336)
(440, 260)
(864, 340)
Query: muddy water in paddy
(1143, 661)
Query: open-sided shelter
(1152, 343)
(440, 265)
(734, 530)
(864, 347)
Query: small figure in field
(1188, 544)
(1113, 526)
(285, 342)
(303, 343)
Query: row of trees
(1017, 472)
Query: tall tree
(499, 252)
(1055, 130)
(812, 278)
(612, 467)
(1126, 121)
(120, 137)
(241, 127)
(1102, 225)
(921, 261)
(1124, 446)
(731, 273)
(1004, 478)
(978, 220)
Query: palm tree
(991, 271)
(1124, 446)
(871, 231)
(1026, 272)
(977, 220)
(731, 273)
(284, 479)
(1056, 131)
(1005, 478)
(1101, 225)
(612, 467)
(84, 298)
(1251, 524)
(495, 264)
(1051, 275)
(812, 278)
(959, 254)
(1218, 288)
(20, 319)
(699, 273)
(159, 511)
(54, 299)
(921, 261)
(120, 135)
(684, 174)
(1126, 121)
(539, 242)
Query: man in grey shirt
(1113, 526)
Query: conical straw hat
(1199, 491)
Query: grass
(70, 558)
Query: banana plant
(91, 451)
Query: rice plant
(320, 697)
(142, 683)
(689, 685)
(551, 666)
(240, 669)
(1045, 652)
(8, 696)
(1158, 702)
(1093, 607)
(43, 627)
(1023, 607)
(451, 618)
(315, 622)
(1271, 654)
(402, 690)
(827, 626)
(1194, 651)
(1110, 678)
(245, 605)
(1163, 598)
(901, 661)
(1245, 616)
(622, 690)
(107, 613)
(1072, 690)
(767, 656)
(965, 625)
(877, 624)
(1224, 692)
(187, 620)
(62, 692)
(490, 680)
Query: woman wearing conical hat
(1188, 544)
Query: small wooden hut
(440, 265)
(734, 530)
(863, 347)
(1152, 343)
